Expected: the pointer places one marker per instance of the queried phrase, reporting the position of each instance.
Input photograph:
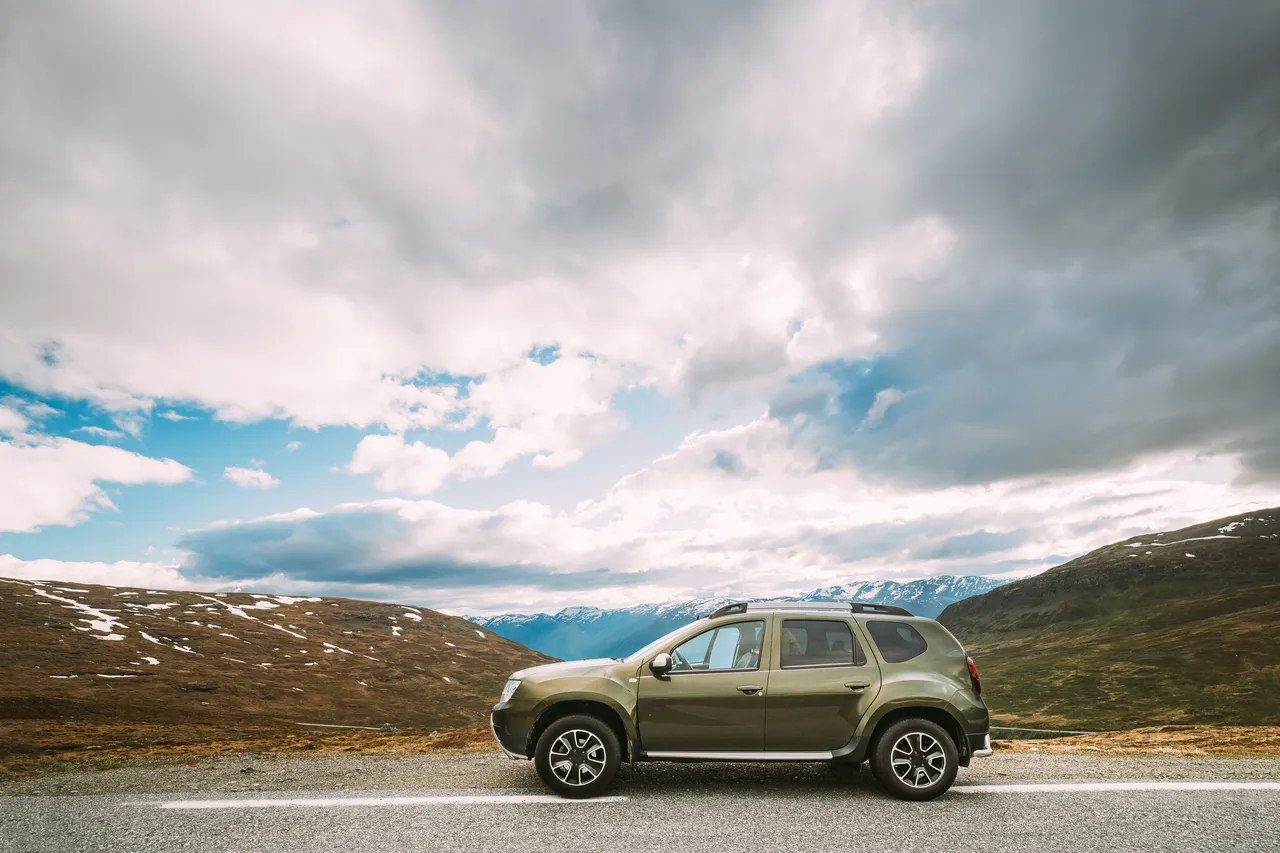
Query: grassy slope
(393, 670)
(1112, 640)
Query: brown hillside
(106, 655)
(1171, 628)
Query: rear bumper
(980, 745)
(503, 737)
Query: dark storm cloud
(373, 545)
(1111, 172)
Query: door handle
(857, 686)
(751, 689)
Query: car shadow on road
(732, 778)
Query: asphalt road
(1014, 805)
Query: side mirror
(660, 665)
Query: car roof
(815, 607)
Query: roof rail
(728, 610)
(883, 609)
(739, 607)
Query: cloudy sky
(494, 306)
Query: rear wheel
(578, 756)
(915, 759)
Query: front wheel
(915, 759)
(578, 756)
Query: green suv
(761, 681)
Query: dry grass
(30, 746)
(1162, 740)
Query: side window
(734, 646)
(819, 642)
(897, 641)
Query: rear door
(713, 698)
(822, 684)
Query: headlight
(508, 690)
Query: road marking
(1090, 787)
(330, 802)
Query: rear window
(819, 642)
(897, 641)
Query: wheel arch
(936, 714)
(568, 706)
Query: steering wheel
(682, 662)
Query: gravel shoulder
(493, 771)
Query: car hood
(595, 666)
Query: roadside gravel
(265, 772)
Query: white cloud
(12, 422)
(100, 432)
(171, 415)
(120, 573)
(553, 411)
(415, 468)
(250, 478)
(683, 527)
(292, 446)
(318, 286)
(883, 402)
(55, 481)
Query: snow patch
(152, 661)
(98, 620)
(1192, 539)
(414, 616)
(286, 599)
(180, 648)
(482, 634)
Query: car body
(760, 681)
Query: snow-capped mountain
(590, 632)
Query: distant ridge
(587, 632)
(1181, 627)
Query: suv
(762, 681)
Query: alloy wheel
(918, 760)
(577, 757)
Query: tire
(588, 746)
(919, 774)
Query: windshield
(639, 655)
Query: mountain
(587, 632)
(89, 653)
(1179, 627)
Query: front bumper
(504, 739)
(980, 745)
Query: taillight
(973, 674)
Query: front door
(713, 698)
(821, 688)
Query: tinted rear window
(819, 642)
(897, 641)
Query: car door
(713, 698)
(822, 684)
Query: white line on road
(1090, 787)
(330, 802)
